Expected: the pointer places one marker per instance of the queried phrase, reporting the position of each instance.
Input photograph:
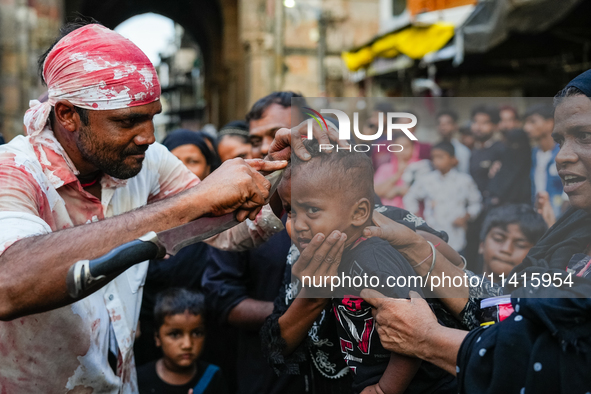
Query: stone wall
(27, 28)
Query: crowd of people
(248, 293)
(231, 315)
(498, 158)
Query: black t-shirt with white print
(359, 340)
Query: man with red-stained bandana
(88, 177)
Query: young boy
(508, 233)
(180, 332)
(451, 197)
(334, 191)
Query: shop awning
(413, 41)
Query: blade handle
(85, 275)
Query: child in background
(180, 332)
(451, 197)
(335, 192)
(508, 233)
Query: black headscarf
(198, 138)
(582, 82)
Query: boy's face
(443, 161)
(468, 140)
(504, 249)
(181, 338)
(318, 208)
(537, 127)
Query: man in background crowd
(510, 184)
(447, 127)
(241, 287)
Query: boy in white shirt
(451, 198)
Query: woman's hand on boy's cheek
(321, 257)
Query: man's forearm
(250, 313)
(33, 270)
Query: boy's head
(466, 136)
(331, 191)
(447, 124)
(484, 122)
(180, 326)
(443, 156)
(507, 235)
(539, 121)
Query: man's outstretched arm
(33, 270)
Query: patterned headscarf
(94, 68)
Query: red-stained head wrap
(94, 68)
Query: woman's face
(231, 147)
(572, 131)
(192, 157)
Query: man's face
(181, 338)
(446, 126)
(572, 131)
(504, 249)
(316, 208)
(508, 120)
(115, 141)
(537, 127)
(262, 131)
(482, 127)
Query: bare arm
(415, 249)
(397, 376)
(298, 319)
(250, 313)
(33, 270)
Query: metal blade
(203, 228)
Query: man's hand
(238, 186)
(404, 326)
(321, 257)
(287, 140)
